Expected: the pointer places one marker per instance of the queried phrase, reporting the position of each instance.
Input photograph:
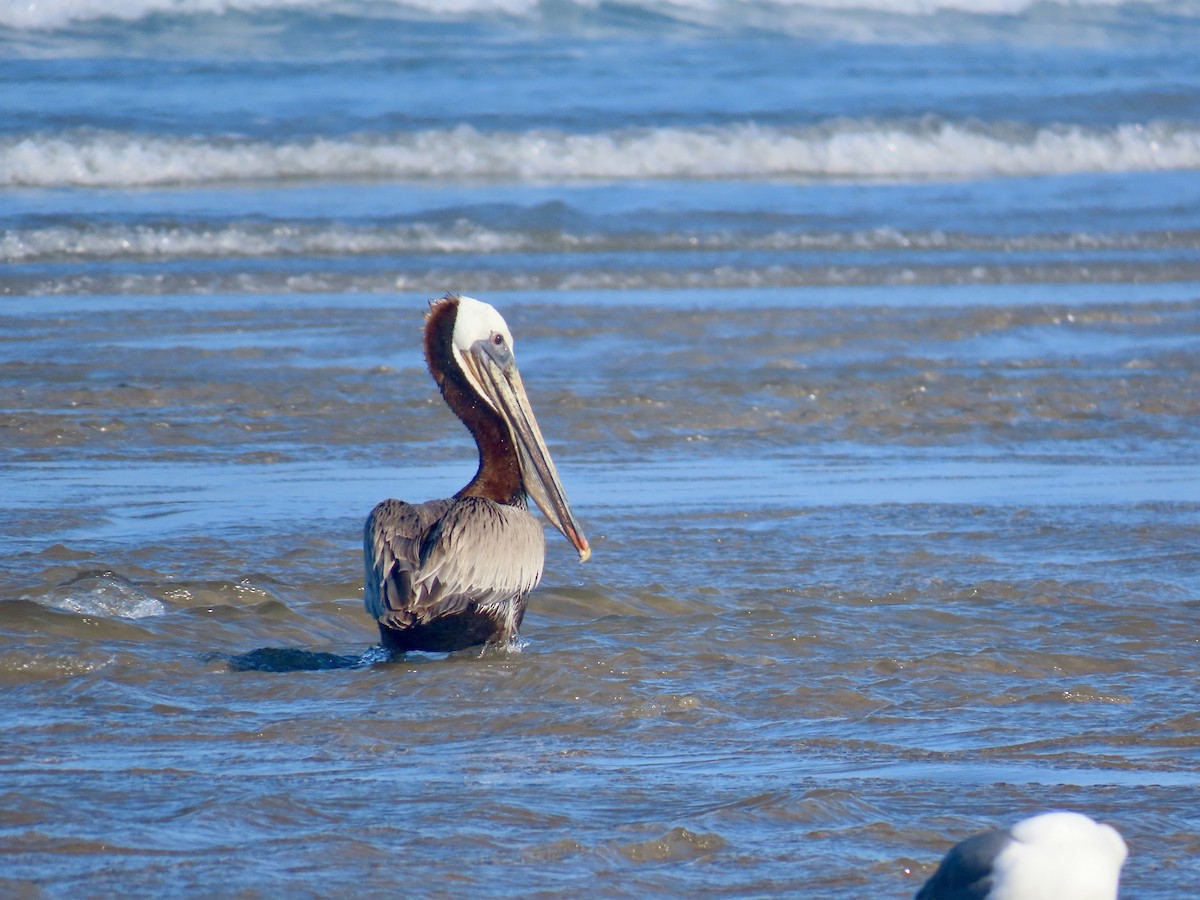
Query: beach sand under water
(868, 350)
(857, 590)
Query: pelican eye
(498, 339)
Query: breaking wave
(840, 150)
(54, 14)
(293, 239)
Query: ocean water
(867, 342)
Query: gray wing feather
(481, 552)
(392, 542)
(436, 558)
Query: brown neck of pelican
(499, 475)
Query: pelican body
(448, 574)
(1053, 856)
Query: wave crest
(298, 240)
(49, 15)
(842, 150)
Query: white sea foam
(248, 240)
(52, 14)
(839, 150)
(106, 595)
(242, 240)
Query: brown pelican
(454, 573)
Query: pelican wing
(438, 558)
(480, 552)
(392, 552)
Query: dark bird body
(1053, 856)
(454, 573)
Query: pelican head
(1059, 855)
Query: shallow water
(858, 589)
(868, 348)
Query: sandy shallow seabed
(867, 578)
